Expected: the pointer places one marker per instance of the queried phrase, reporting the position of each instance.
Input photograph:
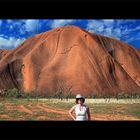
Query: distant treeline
(15, 93)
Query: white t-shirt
(81, 112)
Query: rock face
(71, 59)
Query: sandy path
(22, 108)
(6, 117)
(41, 118)
(53, 110)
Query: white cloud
(103, 27)
(108, 22)
(107, 27)
(130, 30)
(115, 28)
(10, 42)
(2, 35)
(18, 41)
(31, 25)
(16, 26)
(24, 26)
(95, 26)
(61, 22)
(133, 38)
(9, 21)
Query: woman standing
(81, 110)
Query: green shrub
(15, 93)
(11, 93)
(123, 95)
(92, 95)
(69, 95)
(58, 94)
(120, 95)
(135, 95)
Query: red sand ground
(32, 109)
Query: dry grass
(88, 101)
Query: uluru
(71, 59)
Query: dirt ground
(41, 111)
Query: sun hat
(79, 96)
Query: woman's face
(80, 101)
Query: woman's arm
(88, 113)
(70, 112)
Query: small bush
(93, 95)
(15, 93)
(58, 94)
(11, 93)
(135, 95)
(123, 95)
(69, 95)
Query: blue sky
(13, 32)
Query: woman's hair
(78, 99)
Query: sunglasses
(80, 99)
